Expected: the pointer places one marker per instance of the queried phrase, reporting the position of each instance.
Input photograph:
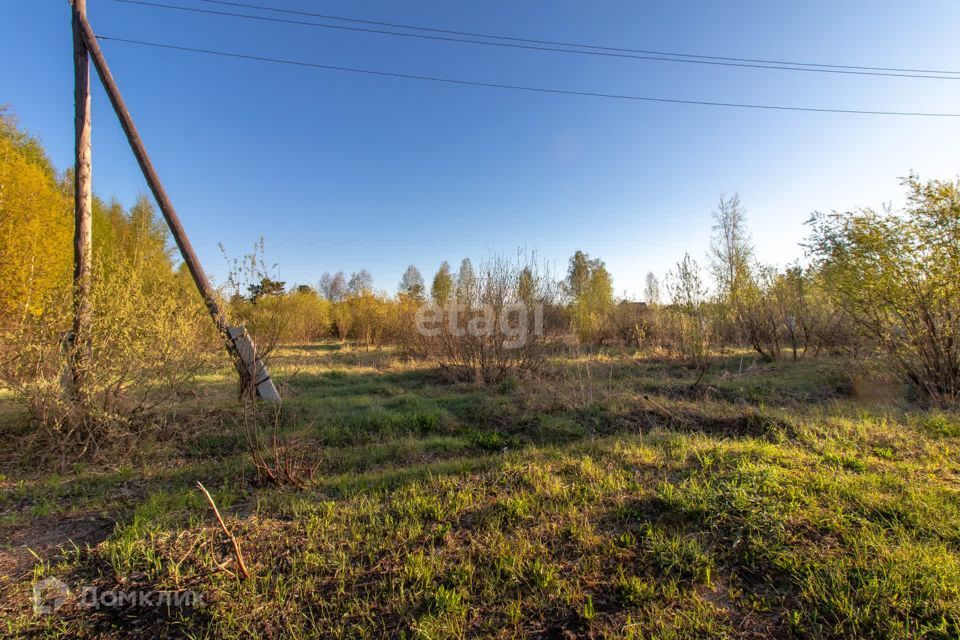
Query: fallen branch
(664, 411)
(241, 566)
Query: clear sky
(344, 171)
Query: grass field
(607, 499)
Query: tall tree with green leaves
(36, 227)
(148, 330)
(267, 287)
(578, 274)
(442, 286)
(590, 288)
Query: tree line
(880, 286)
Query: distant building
(636, 307)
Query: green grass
(767, 506)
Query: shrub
(687, 322)
(492, 329)
(895, 274)
(149, 335)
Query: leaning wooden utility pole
(79, 344)
(254, 378)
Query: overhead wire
(519, 87)
(716, 62)
(475, 34)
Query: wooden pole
(253, 376)
(82, 205)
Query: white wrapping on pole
(258, 375)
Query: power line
(574, 44)
(532, 47)
(516, 87)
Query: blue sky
(343, 171)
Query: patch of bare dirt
(48, 537)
